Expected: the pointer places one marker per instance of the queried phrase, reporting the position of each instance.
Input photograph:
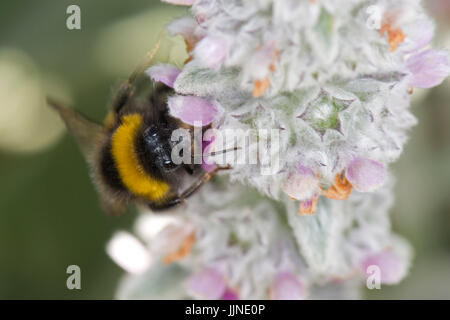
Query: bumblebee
(129, 155)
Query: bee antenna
(53, 103)
(148, 59)
(125, 90)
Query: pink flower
(188, 29)
(192, 110)
(180, 2)
(207, 284)
(392, 268)
(365, 175)
(211, 52)
(428, 68)
(308, 206)
(164, 73)
(419, 36)
(301, 184)
(286, 286)
(229, 295)
(263, 60)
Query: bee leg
(188, 192)
(166, 205)
(189, 168)
(202, 180)
(197, 184)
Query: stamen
(182, 252)
(308, 207)
(340, 190)
(395, 36)
(260, 87)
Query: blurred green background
(49, 213)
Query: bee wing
(90, 136)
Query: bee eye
(168, 165)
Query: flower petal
(192, 110)
(164, 73)
(184, 26)
(188, 29)
(365, 175)
(229, 295)
(262, 63)
(130, 254)
(301, 184)
(211, 52)
(180, 2)
(308, 206)
(419, 35)
(286, 286)
(149, 225)
(428, 68)
(207, 284)
(173, 238)
(392, 268)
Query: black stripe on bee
(109, 171)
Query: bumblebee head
(157, 147)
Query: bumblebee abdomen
(109, 171)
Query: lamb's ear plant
(334, 78)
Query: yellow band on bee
(130, 170)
